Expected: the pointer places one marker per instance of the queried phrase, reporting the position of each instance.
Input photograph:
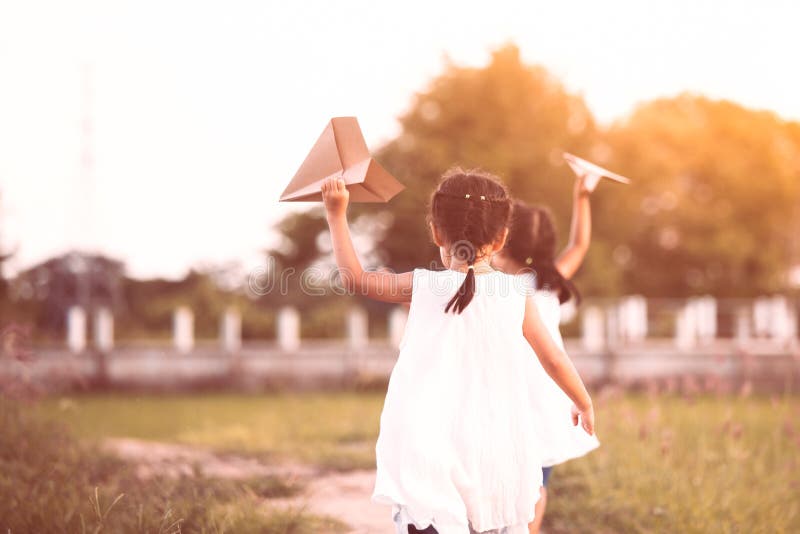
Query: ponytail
(464, 294)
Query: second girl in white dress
(530, 252)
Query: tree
(300, 232)
(509, 118)
(715, 206)
(47, 290)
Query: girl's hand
(586, 418)
(580, 188)
(335, 196)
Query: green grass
(674, 465)
(52, 483)
(334, 431)
(667, 464)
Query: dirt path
(345, 496)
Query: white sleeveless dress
(459, 446)
(561, 440)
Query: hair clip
(471, 267)
(469, 196)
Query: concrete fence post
(357, 328)
(103, 330)
(592, 331)
(706, 313)
(76, 329)
(288, 326)
(183, 329)
(762, 310)
(231, 331)
(632, 318)
(686, 327)
(780, 324)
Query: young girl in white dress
(459, 449)
(531, 251)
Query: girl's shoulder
(495, 283)
(427, 278)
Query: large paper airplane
(342, 152)
(590, 172)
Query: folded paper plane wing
(342, 151)
(590, 172)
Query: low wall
(332, 363)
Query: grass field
(51, 482)
(667, 464)
(336, 431)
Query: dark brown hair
(532, 244)
(470, 210)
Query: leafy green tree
(509, 118)
(44, 292)
(299, 247)
(715, 206)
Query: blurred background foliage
(41, 296)
(714, 207)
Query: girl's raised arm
(558, 366)
(580, 232)
(385, 286)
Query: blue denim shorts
(546, 475)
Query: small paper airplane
(342, 152)
(591, 172)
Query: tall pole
(86, 217)
(85, 201)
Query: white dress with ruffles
(460, 447)
(561, 440)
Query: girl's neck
(480, 266)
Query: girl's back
(458, 441)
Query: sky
(201, 112)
